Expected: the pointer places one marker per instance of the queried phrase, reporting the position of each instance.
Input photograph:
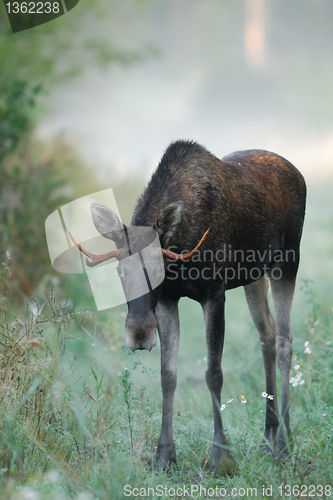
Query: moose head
(134, 251)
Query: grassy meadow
(80, 415)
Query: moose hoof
(222, 457)
(283, 442)
(266, 445)
(165, 455)
(269, 440)
(282, 452)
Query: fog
(231, 75)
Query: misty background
(231, 75)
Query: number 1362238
(33, 8)
(304, 491)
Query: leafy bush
(17, 101)
(35, 180)
(34, 184)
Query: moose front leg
(214, 322)
(168, 327)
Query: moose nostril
(141, 345)
(140, 338)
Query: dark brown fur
(252, 200)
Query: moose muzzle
(141, 332)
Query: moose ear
(106, 221)
(170, 220)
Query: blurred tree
(17, 101)
(36, 179)
(63, 47)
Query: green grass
(72, 423)
(80, 415)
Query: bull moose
(242, 216)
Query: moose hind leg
(283, 291)
(256, 296)
(214, 323)
(168, 327)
